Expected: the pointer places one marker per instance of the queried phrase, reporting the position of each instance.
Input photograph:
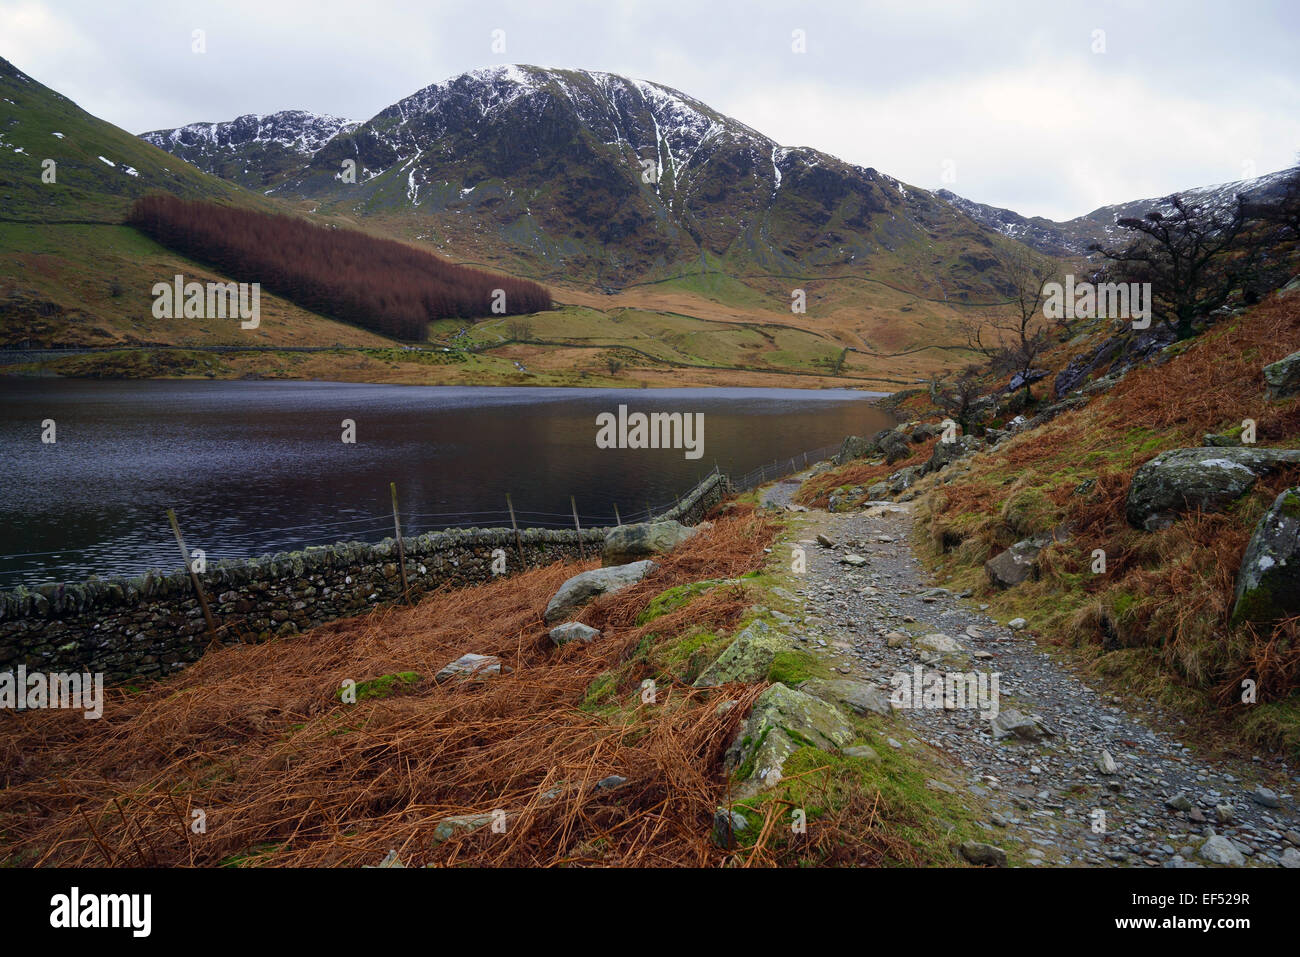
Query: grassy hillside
(100, 169)
(1157, 620)
(71, 276)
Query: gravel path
(1049, 797)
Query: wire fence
(781, 468)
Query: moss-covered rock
(1209, 479)
(780, 723)
(747, 658)
(1268, 583)
(1283, 377)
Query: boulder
(1268, 582)
(986, 855)
(1014, 724)
(858, 696)
(747, 658)
(945, 453)
(939, 643)
(1220, 850)
(895, 446)
(854, 447)
(630, 543)
(1210, 479)
(582, 588)
(1282, 378)
(1017, 564)
(903, 478)
(926, 430)
(782, 721)
(573, 631)
(470, 667)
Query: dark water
(256, 467)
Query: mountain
(597, 177)
(99, 169)
(1073, 237)
(252, 150)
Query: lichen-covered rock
(630, 543)
(747, 658)
(1209, 479)
(573, 631)
(1017, 564)
(583, 587)
(858, 696)
(854, 447)
(945, 453)
(782, 721)
(1282, 378)
(1268, 582)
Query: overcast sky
(1005, 103)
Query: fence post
(401, 550)
(582, 552)
(519, 542)
(194, 578)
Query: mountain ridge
(1072, 237)
(607, 179)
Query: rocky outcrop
(747, 658)
(903, 479)
(945, 453)
(1209, 479)
(1116, 354)
(895, 446)
(1282, 378)
(1268, 583)
(854, 447)
(630, 543)
(781, 721)
(582, 588)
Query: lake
(256, 467)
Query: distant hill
(1073, 237)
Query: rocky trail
(1076, 776)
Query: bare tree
(520, 330)
(1017, 340)
(1193, 256)
(960, 398)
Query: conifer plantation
(379, 284)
